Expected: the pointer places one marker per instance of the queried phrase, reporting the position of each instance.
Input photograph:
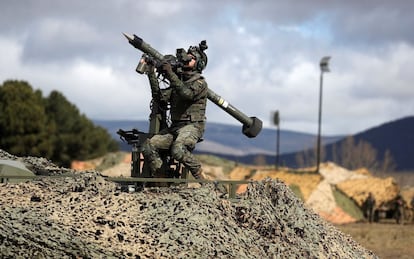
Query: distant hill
(396, 136)
(228, 142)
(223, 139)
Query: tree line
(50, 127)
(351, 155)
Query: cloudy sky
(263, 56)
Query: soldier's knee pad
(178, 151)
(147, 148)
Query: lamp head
(325, 64)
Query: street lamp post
(324, 64)
(276, 121)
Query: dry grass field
(386, 239)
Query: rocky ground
(82, 215)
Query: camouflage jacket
(187, 98)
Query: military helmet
(199, 54)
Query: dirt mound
(241, 173)
(306, 182)
(337, 215)
(119, 164)
(318, 191)
(408, 194)
(83, 215)
(335, 174)
(383, 189)
(323, 199)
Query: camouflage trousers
(180, 141)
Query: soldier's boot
(155, 165)
(199, 175)
(221, 189)
(157, 170)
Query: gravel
(82, 215)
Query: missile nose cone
(128, 36)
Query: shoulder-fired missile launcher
(251, 125)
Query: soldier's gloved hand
(166, 68)
(150, 69)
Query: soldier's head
(198, 56)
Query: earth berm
(82, 215)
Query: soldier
(369, 207)
(187, 98)
(411, 217)
(399, 209)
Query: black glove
(166, 68)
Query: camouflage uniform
(399, 209)
(187, 97)
(369, 207)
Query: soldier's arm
(194, 90)
(155, 86)
(173, 78)
(189, 91)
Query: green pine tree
(50, 127)
(23, 120)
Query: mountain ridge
(227, 141)
(396, 136)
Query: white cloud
(9, 61)
(261, 58)
(63, 31)
(98, 91)
(164, 8)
